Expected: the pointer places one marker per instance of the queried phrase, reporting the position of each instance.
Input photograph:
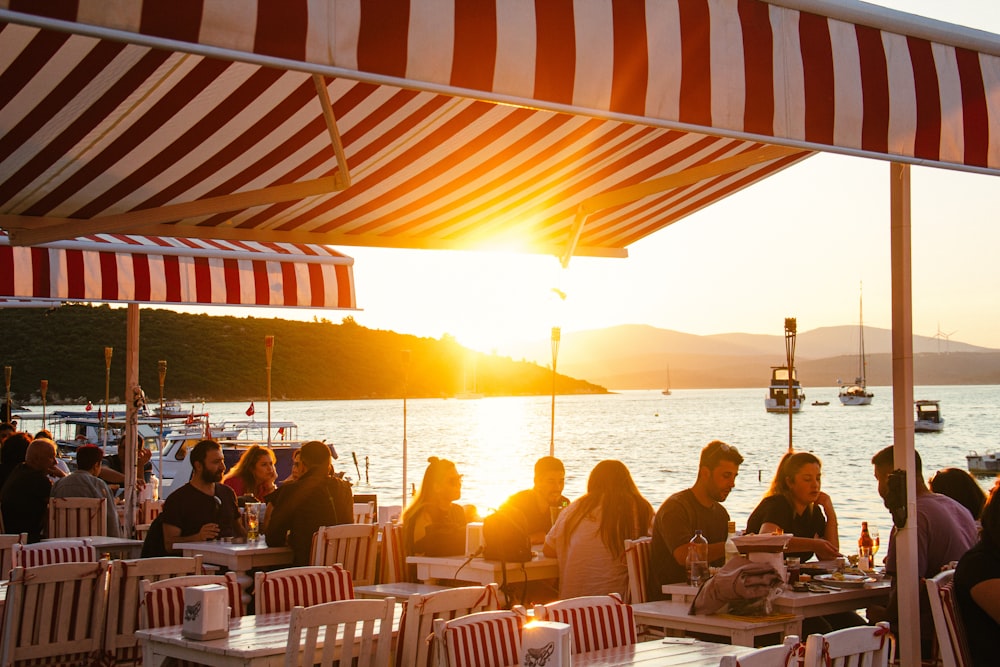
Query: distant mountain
(636, 356)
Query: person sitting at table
(977, 585)
(12, 453)
(537, 502)
(433, 524)
(961, 487)
(253, 477)
(317, 498)
(204, 508)
(589, 535)
(24, 498)
(795, 504)
(84, 482)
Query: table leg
(245, 581)
(150, 658)
(742, 637)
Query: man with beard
(537, 502)
(204, 508)
(697, 508)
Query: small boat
(983, 464)
(857, 393)
(777, 393)
(666, 392)
(821, 402)
(172, 410)
(928, 417)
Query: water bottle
(697, 559)
(731, 550)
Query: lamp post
(45, 391)
(790, 331)
(108, 351)
(405, 359)
(6, 379)
(162, 367)
(556, 335)
(268, 352)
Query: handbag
(505, 536)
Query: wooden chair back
(149, 510)
(353, 546)
(785, 654)
(51, 553)
(948, 629)
(7, 543)
(121, 647)
(54, 614)
(391, 557)
(485, 638)
(420, 611)
(161, 603)
(364, 512)
(863, 645)
(366, 626)
(77, 517)
(637, 560)
(283, 590)
(598, 621)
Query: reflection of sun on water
(501, 457)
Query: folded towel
(741, 586)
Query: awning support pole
(343, 174)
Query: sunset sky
(797, 244)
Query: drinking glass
(255, 513)
(875, 542)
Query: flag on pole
(281, 432)
(98, 414)
(250, 410)
(190, 419)
(90, 406)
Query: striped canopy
(559, 126)
(141, 269)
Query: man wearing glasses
(697, 508)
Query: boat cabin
(928, 417)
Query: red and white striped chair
(637, 560)
(161, 603)
(77, 517)
(353, 546)
(391, 557)
(598, 621)
(52, 553)
(483, 639)
(355, 620)
(421, 610)
(281, 590)
(948, 628)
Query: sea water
(495, 441)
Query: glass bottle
(865, 544)
(697, 559)
(731, 550)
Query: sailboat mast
(862, 363)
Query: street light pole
(556, 335)
(108, 351)
(790, 331)
(44, 390)
(162, 368)
(268, 351)
(405, 358)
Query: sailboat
(666, 392)
(466, 394)
(857, 393)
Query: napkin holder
(474, 538)
(546, 644)
(206, 612)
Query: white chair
(637, 560)
(77, 517)
(483, 639)
(51, 553)
(161, 603)
(420, 611)
(786, 654)
(121, 647)
(344, 616)
(54, 614)
(353, 546)
(864, 645)
(364, 512)
(7, 543)
(282, 590)
(947, 621)
(598, 621)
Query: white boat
(666, 392)
(928, 417)
(983, 464)
(777, 393)
(857, 393)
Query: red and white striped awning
(562, 127)
(141, 269)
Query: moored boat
(777, 393)
(857, 393)
(987, 463)
(928, 417)
(821, 402)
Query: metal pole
(45, 390)
(268, 351)
(790, 330)
(405, 358)
(162, 365)
(6, 376)
(556, 335)
(108, 351)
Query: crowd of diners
(958, 524)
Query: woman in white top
(589, 536)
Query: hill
(222, 358)
(637, 357)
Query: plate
(843, 581)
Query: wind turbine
(947, 339)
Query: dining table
(119, 547)
(259, 640)
(508, 575)
(672, 651)
(240, 557)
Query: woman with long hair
(961, 487)
(433, 524)
(589, 535)
(977, 585)
(254, 474)
(796, 504)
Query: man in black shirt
(25, 494)
(537, 502)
